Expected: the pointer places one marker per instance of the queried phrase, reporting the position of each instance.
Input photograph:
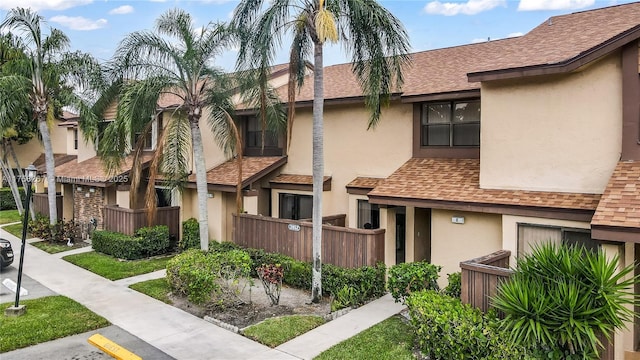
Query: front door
(400, 235)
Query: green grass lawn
(391, 339)
(46, 319)
(276, 331)
(115, 269)
(9, 216)
(157, 289)
(15, 229)
(54, 248)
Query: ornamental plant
(560, 299)
(406, 278)
(271, 276)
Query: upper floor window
(451, 123)
(253, 139)
(75, 139)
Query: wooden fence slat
(127, 221)
(341, 246)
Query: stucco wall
(481, 234)
(29, 152)
(553, 134)
(349, 149)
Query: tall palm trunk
(50, 166)
(201, 182)
(10, 178)
(12, 151)
(318, 172)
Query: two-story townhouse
(489, 146)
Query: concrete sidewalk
(175, 332)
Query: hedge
(6, 199)
(145, 242)
(447, 329)
(369, 281)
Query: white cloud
(43, 4)
(121, 10)
(529, 5)
(79, 22)
(479, 40)
(515, 34)
(470, 7)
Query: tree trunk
(50, 166)
(13, 184)
(318, 172)
(201, 182)
(12, 151)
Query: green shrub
(454, 289)
(190, 235)
(147, 242)
(7, 202)
(192, 274)
(446, 329)
(369, 281)
(154, 240)
(406, 278)
(209, 277)
(560, 298)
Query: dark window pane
(305, 206)
(580, 238)
(466, 134)
(467, 111)
(287, 202)
(438, 135)
(296, 207)
(368, 215)
(439, 113)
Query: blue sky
(96, 26)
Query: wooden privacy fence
(127, 221)
(41, 204)
(481, 277)
(345, 247)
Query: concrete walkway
(175, 332)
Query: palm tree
(375, 40)
(174, 60)
(48, 74)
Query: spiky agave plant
(561, 300)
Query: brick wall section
(87, 205)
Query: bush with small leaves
(192, 274)
(454, 289)
(190, 235)
(406, 278)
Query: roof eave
(565, 66)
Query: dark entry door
(400, 236)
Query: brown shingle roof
(92, 170)
(253, 168)
(296, 179)
(457, 180)
(58, 159)
(620, 203)
(364, 182)
(561, 38)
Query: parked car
(6, 253)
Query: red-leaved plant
(271, 276)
